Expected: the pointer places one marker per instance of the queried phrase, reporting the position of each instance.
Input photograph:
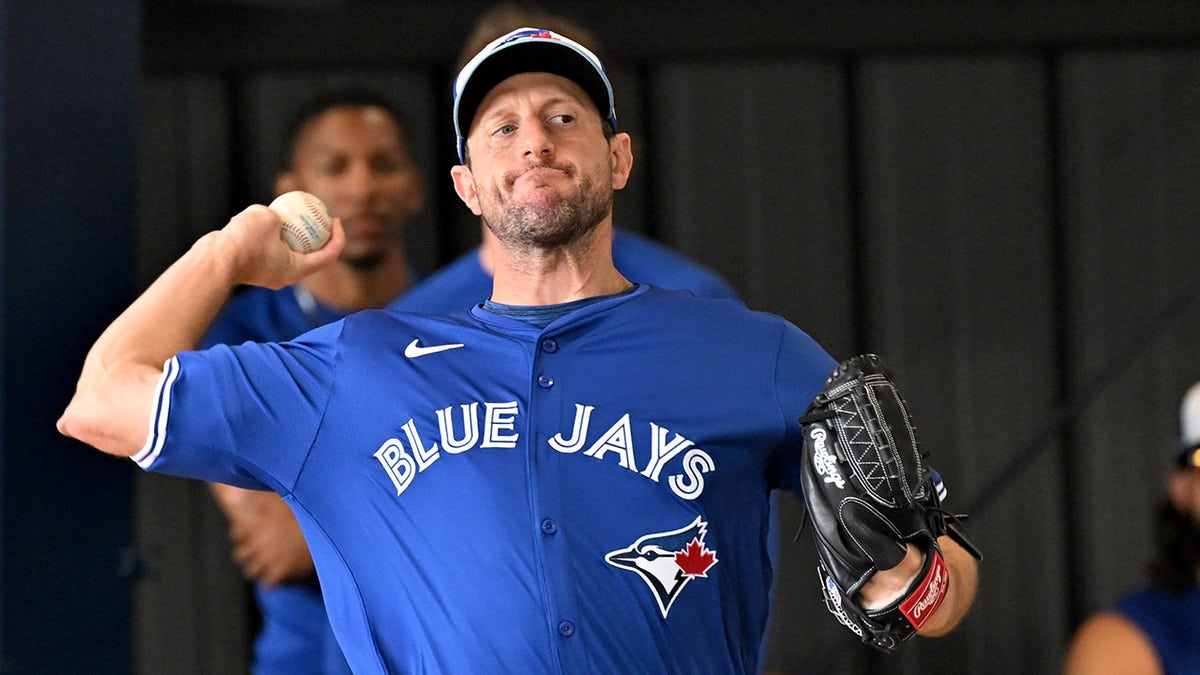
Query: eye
(564, 118)
(331, 166)
(387, 164)
(504, 130)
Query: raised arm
(111, 407)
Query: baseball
(306, 222)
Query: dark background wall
(998, 197)
(68, 103)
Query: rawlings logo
(824, 461)
(921, 604)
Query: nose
(359, 182)
(538, 143)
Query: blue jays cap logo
(667, 561)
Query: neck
(534, 277)
(351, 289)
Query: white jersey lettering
(424, 457)
(499, 418)
(583, 415)
(470, 437)
(402, 463)
(618, 439)
(398, 464)
(661, 451)
(696, 463)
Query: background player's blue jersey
(588, 497)
(265, 315)
(1169, 620)
(464, 282)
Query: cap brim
(532, 56)
(1190, 456)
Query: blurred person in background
(1155, 630)
(350, 149)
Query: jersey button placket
(548, 346)
(549, 526)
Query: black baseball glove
(869, 492)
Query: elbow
(72, 423)
(86, 424)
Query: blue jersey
(295, 637)
(464, 282)
(587, 497)
(1170, 621)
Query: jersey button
(566, 628)
(549, 345)
(549, 526)
(545, 381)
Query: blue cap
(528, 50)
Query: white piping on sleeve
(158, 417)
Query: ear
(620, 153)
(286, 181)
(464, 185)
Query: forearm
(964, 579)
(111, 406)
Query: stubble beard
(552, 223)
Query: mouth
(541, 174)
(362, 224)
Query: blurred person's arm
(267, 542)
(1110, 644)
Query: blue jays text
(405, 459)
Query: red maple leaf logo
(695, 559)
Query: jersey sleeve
(270, 397)
(801, 370)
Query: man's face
(356, 160)
(541, 171)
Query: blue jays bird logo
(667, 561)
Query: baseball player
(572, 477)
(1151, 630)
(350, 149)
(468, 278)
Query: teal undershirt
(543, 315)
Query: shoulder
(731, 324)
(644, 260)
(1108, 642)
(684, 303)
(392, 322)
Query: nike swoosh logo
(413, 350)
